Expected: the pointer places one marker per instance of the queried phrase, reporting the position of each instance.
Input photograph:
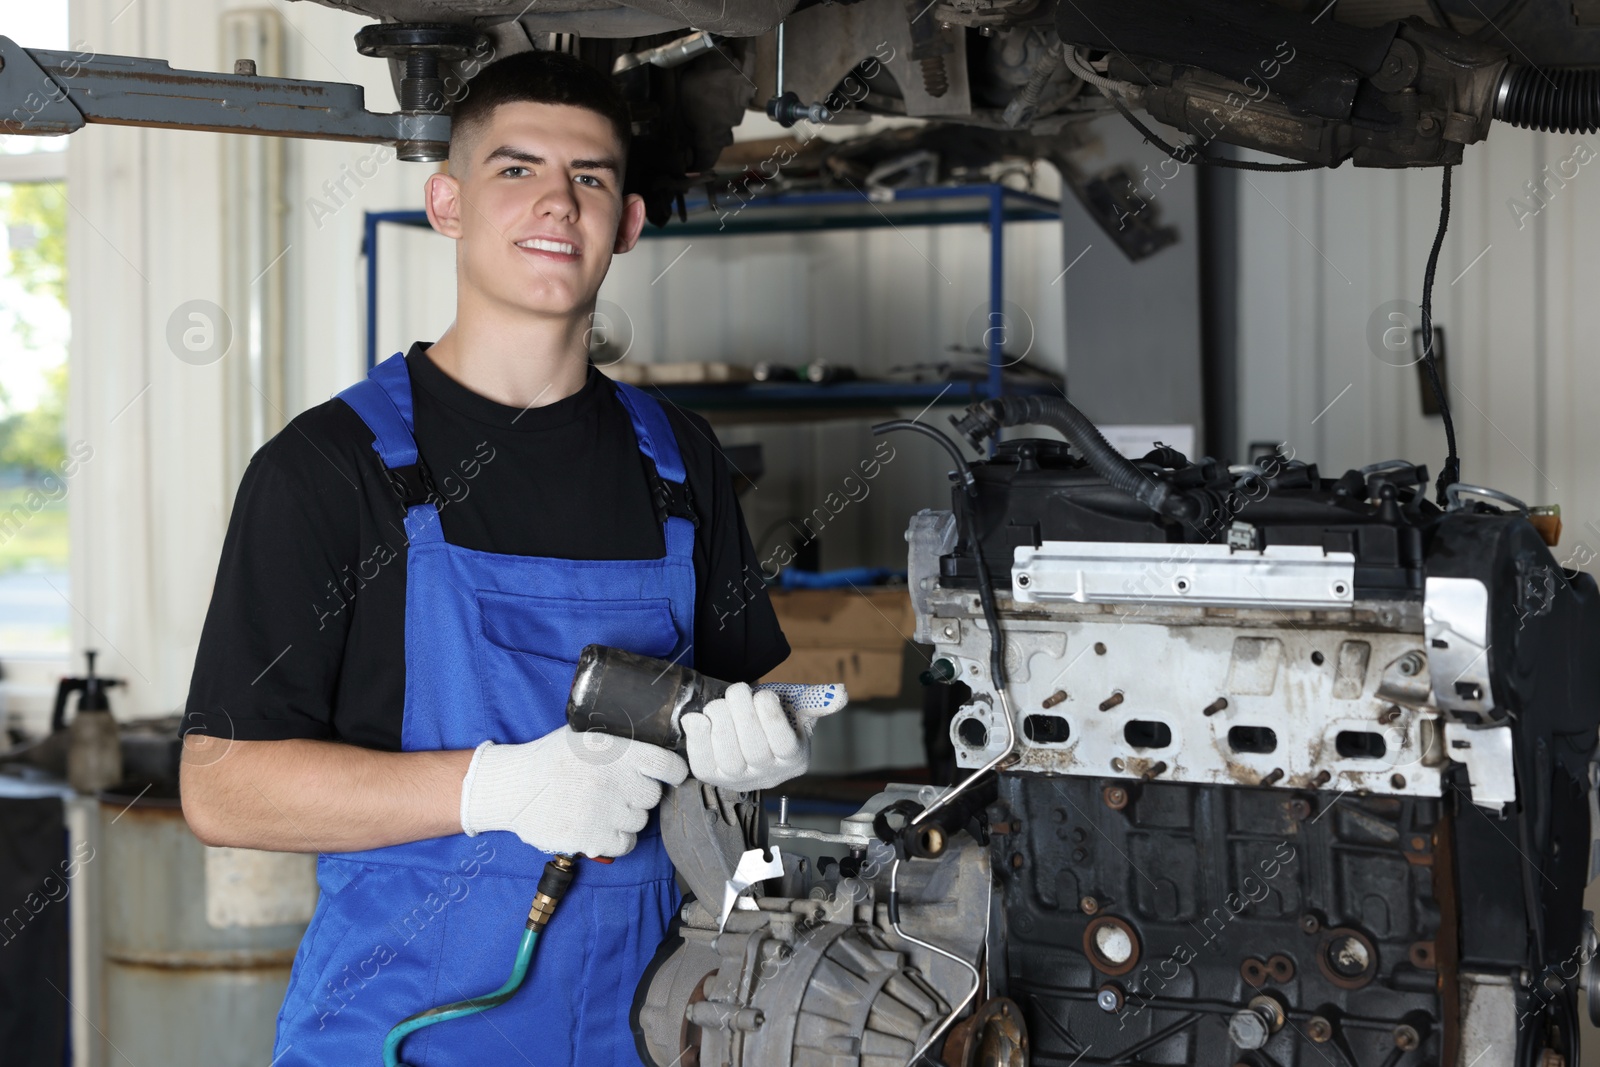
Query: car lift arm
(47, 92)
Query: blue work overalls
(491, 643)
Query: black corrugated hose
(1549, 99)
(982, 420)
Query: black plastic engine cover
(1035, 491)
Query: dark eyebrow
(521, 156)
(505, 151)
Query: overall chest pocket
(528, 648)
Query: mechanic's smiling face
(538, 209)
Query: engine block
(1304, 782)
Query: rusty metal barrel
(197, 941)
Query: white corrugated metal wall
(1327, 253)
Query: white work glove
(568, 791)
(747, 740)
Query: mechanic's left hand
(756, 739)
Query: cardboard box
(858, 637)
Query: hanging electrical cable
(1451, 474)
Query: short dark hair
(538, 78)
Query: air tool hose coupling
(553, 886)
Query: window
(34, 330)
(35, 466)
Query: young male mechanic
(409, 574)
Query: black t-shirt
(305, 636)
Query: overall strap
(383, 401)
(669, 484)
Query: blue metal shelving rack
(943, 205)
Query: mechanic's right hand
(568, 791)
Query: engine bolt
(1249, 1029)
(1397, 780)
(1089, 905)
(1016, 860)
(1054, 698)
(1099, 648)
(1299, 809)
(1309, 923)
(1112, 701)
(1321, 779)
(1319, 1029)
(1272, 779)
(1115, 797)
(1253, 1026)
(1219, 704)
(1406, 1037)
(1078, 856)
(1109, 998)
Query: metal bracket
(1100, 572)
(1455, 614)
(1488, 756)
(855, 830)
(753, 868)
(45, 93)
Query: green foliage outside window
(33, 506)
(34, 442)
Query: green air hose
(552, 887)
(446, 1012)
